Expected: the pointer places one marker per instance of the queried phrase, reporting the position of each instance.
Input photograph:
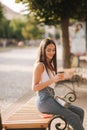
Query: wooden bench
(24, 115)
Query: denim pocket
(45, 93)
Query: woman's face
(50, 51)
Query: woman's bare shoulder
(39, 66)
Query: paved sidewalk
(82, 101)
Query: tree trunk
(86, 35)
(66, 44)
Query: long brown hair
(77, 27)
(42, 55)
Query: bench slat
(27, 116)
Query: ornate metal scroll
(57, 123)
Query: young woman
(44, 78)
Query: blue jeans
(46, 103)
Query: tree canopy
(52, 11)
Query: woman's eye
(48, 50)
(53, 50)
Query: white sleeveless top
(46, 77)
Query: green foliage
(4, 29)
(51, 12)
(19, 29)
(32, 30)
(1, 13)
(17, 1)
(10, 29)
(16, 26)
(57, 35)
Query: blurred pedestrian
(78, 43)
